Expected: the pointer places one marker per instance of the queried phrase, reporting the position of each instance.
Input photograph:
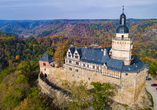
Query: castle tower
(122, 43)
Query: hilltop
(70, 28)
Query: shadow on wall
(43, 77)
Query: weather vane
(123, 9)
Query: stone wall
(58, 95)
(86, 75)
(128, 88)
(139, 85)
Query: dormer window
(76, 57)
(69, 55)
(75, 53)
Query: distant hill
(71, 28)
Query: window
(75, 53)
(77, 63)
(95, 74)
(113, 72)
(76, 70)
(69, 55)
(126, 74)
(97, 68)
(122, 36)
(44, 64)
(89, 78)
(88, 66)
(70, 68)
(45, 69)
(72, 74)
(93, 67)
(117, 73)
(69, 61)
(84, 65)
(107, 71)
(76, 57)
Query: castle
(113, 65)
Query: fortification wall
(139, 85)
(59, 96)
(128, 89)
(87, 76)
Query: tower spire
(123, 9)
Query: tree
(79, 94)
(14, 98)
(21, 79)
(101, 93)
(17, 57)
(61, 51)
(28, 66)
(33, 102)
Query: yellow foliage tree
(61, 51)
(17, 57)
(10, 63)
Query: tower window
(122, 36)
(44, 64)
(122, 21)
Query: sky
(76, 9)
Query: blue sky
(76, 9)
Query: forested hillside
(70, 28)
(19, 56)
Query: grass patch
(124, 105)
(152, 105)
(152, 102)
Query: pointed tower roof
(46, 58)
